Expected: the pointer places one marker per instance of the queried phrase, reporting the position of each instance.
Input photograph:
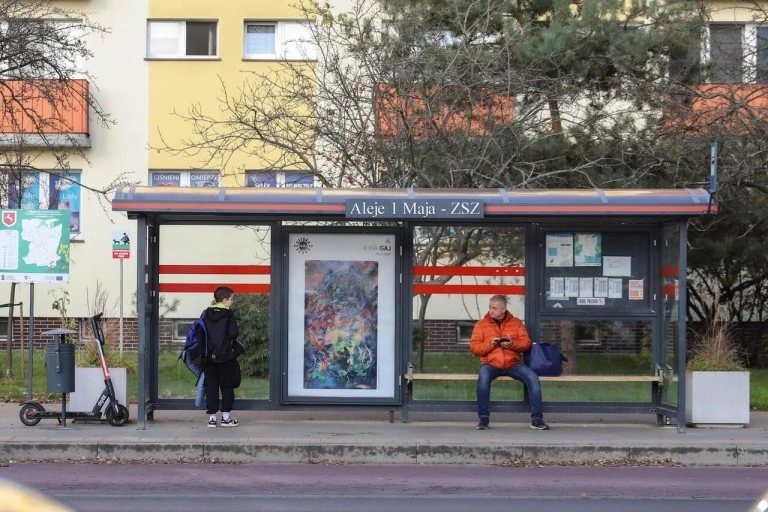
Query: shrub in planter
(252, 314)
(717, 389)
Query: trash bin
(60, 363)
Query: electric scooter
(115, 413)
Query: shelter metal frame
(657, 210)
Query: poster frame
(389, 353)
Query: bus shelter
(616, 257)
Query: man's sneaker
(231, 422)
(212, 423)
(539, 425)
(483, 425)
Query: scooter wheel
(119, 419)
(28, 414)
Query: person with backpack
(220, 365)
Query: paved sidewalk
(368, 437)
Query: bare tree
(47, 98)
(45, 87)
(463, 93)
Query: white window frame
(464, 331)
(293, 40)
(179, 329)
(154, 27)
(75, 63)
(186, 177)
(748, 45)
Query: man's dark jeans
(518, 372)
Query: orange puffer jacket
(486, 330)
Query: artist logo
(302, 245)
(379, 248)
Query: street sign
(121, 245)
(34, 246)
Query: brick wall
(110, 326)
(443, 337)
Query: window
(587, 333)
(726, 53)
(39, 190)
(42, 48)
(178, 178)
(298, 179)
(761, 70)
(464, 331)
(178, 39)
(289, 40)
(180, 328)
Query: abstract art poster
(341, 315)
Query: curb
(386, 454)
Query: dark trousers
(224, 377)
(519, 372)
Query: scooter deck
(70, 415)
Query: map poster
(587, 250)
(34, 246)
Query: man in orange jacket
(499, 339)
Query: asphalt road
(315, 487)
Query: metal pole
(31, 337)
(121, 307)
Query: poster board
(341, 316)
(597, 270)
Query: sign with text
(121, 245)
(34, 246)
(414, 209)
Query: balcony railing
(451, 112)
(44, 113)
(701, 108)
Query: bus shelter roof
(231, 204)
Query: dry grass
(715, 349)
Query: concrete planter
(717, 398)
(89, 383)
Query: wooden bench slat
(562, 378)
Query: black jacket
(221, 328)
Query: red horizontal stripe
(210, 287)
(468, 289)
(668, 290)
(670, 271)
(498, 209)
(468, 271)
(215, 269)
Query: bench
(409, 377)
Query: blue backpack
(195, 349)
(545, 359)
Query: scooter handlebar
(97, 328)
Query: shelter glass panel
(670, 327)
(194, 261)
(600, 347)
(457, 269)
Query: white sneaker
(212, 422)
(231, 422)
